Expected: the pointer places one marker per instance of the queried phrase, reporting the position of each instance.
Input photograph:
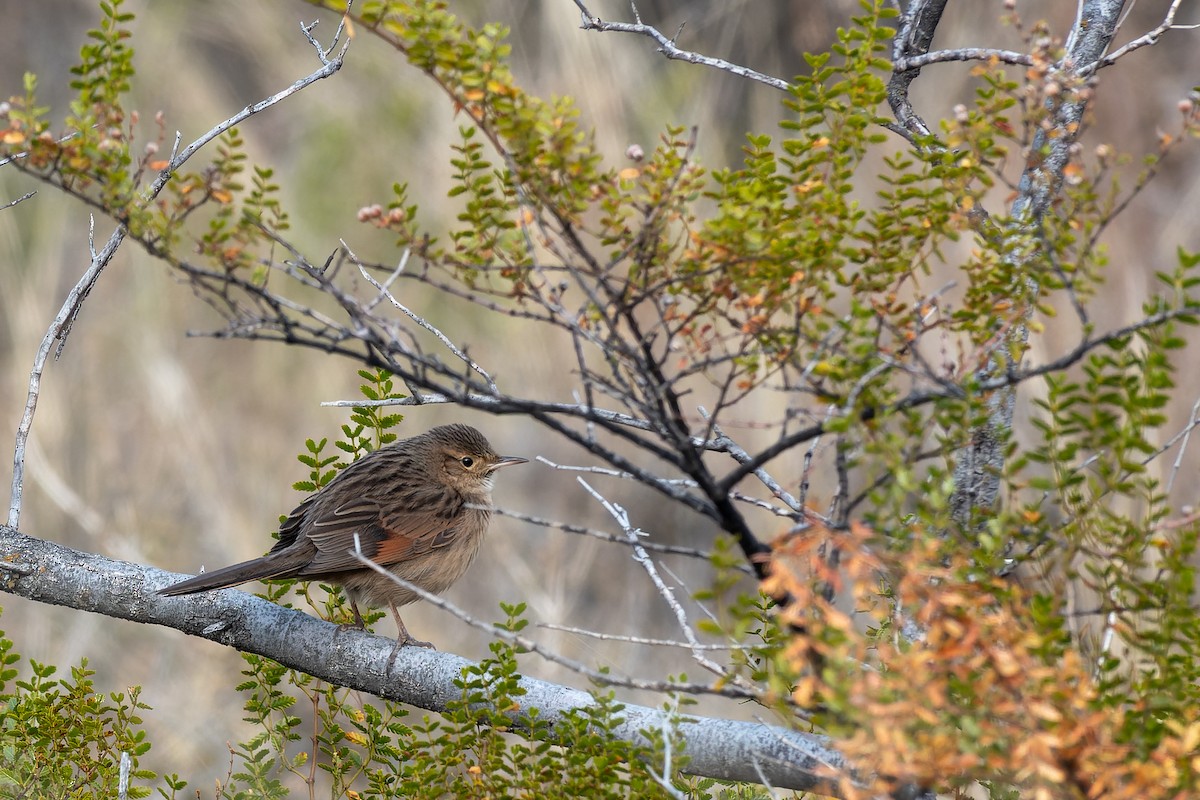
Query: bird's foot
(407, 640)
(402, 641)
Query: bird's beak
(508, 461)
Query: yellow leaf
(1045, 711)
(222, 196)
(629, 173)
(1006, 664)
(1191, 738)
(805, 691)
(1051, 773)
(13, 137)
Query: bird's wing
(291, 528)
(384, 536)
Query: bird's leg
(359, 622)
(403, 637)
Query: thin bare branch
(985, 54)
(1184, 436)
(666, 46)
(20, 199)
(57, 332)
(443, 338)
(604, 536)
(613, 637)
(633, 536)
(600, 677)
(922, 397)
(1145, 40)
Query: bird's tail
(258, 569)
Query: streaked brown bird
(419, 509)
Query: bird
(418, 507)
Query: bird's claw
(402, 641)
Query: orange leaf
(755, 323)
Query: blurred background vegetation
(163, 448)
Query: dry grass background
(177, 451)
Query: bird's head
(464, 459)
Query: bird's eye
(467, 461)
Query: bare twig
(667, 47)
(598, 676)
(20, 199)
(443, 338)
(1146, 39)
(58, 330)
(905, 63)
(922, 397)
(61, 326)
(566, 527)
(633, 535)
(585, 411)
(324, 52)
(669, 722)
(328, 68)
(740, 455)
(614, 637)
(1185, 436)
(612, 473)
